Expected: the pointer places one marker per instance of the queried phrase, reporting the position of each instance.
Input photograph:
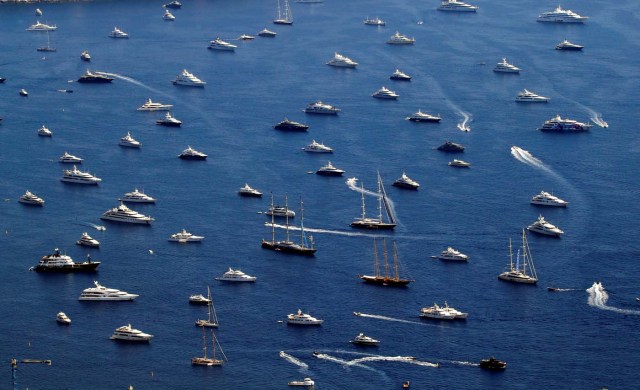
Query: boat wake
(598, 297)
(136, 82)
(596, 118)
(385, 318)
(466, 119)
(402, 359)
(97, 227)
(342, 361)
(293, 360)
(462, 363)
(326, 231)
(527, 158)
(352, 184)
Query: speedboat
(87, 240)
(405, 182)
(219, 44)
(436, 312)
(127, 333)
(423, 117)
(456, 6)
(248, 191)
(235, 275)
(280, 211)
(492, 364)
(542, 226)
(169, 121)
(321, 108)
(399, 39)
(137, 197)
(41, 27)
(185, 236)
(175, 4)
(566, 45)
(400, 76)
(374, 22)
(329, 170)
(149, 105)
(102, 293)
(546, 199)
(85, 56)
(23, 92)
(124, 214)
(38, 12)
(560, 125)
(44, 132)
(117, 33)
(188, 79)
(57, 262)
(384, 93)
(342, 61)
(451, 147)
(168, 16)
(191, 154)
(452, 254)
(63, 318)
(505, 67)
(306, 382)
(362, 339)
(31, 199)
(94, 78)
(528, 96)
(129, 142)
(301, 318)
(406, 384)
(459, 163)
(290, 125)
(560, 15)
(246, 37)
(267, 33)
(316, 147)
(67, 158)
(77, 176)
(199, 299)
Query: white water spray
(352, 184)
(596, 118)
(293, 360)
(466, 119)
(97, 227)
(527, 158)
(402, 359)
(385, 318)
(598, 297)
(136, 82)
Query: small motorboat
(492, 364)
(406, 384)
(63, 319)
(23, 92)
(459, 163)
(553, 289)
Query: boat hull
(184, 157)
(169, 124)
(127, 220)
(516, 279)
(329, 173)
(288, 248)
(77, 267)
(250, 194)
(372, 225)
(382, 281)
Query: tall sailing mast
(386, 259)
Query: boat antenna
(286, 211)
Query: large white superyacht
(102, 293)
(124, 214)
(79, 177)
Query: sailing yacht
(209, 361)
(385, 279)
(284, 15)
(212, 321)
(376, 223)
(48, 47)
(306, 245)
(524, 270)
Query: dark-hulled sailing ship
(385, 278)
(376, 223)
(305, 247)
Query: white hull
(131, 338)
(544, 232)
(296, 322)
(547, 203)
(434, 316)
(516, 279)
(131, 297)
(132, 200)
(80, 181)
(237, 280)
(126, 220)
(190, 239)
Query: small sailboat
(524, 271)
(47, 48)
(306, 245)
(385, 279)
(376, 223)
(209, 361)
(284, 14)
(212, 320)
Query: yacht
(528, 96)
(175, 4)
(374, 22)
(219, 44)
(250, 192)
(566, 45)
(127, 333)
(23, 92)
(321, 108)
(280, 211)
(452, 255)
(63, 318)
(435, 312)
(524, 270)
(169, 121)
(267, 33)
(87, 240)
(85, 56)
(67, 158)
(457, 313)
(451, 147)
(125, 215)
(117, 33)
(560, 15)
(303, 319)
(546, 199)
(329, 170)
(31, 199)
(399, 39)
(544, 227)
(459, 163)
(235, 275)
(188, 79)
(423, 117)
(191, 154)
(560, 125)
(185, 236)
(77, 176)
(400, 76)
(284, 14)
(168, 16)
(492, 364)
(306, 382)
(41, 27)
(456, 6)
(246, 37)
(406, 182)
(384, 93)
(94, 78)
(505, 67)
(361, 339)
(316, 147)
(57, 262)
(199, 299)
(150, 105)
(129, 142)
(102, 293)
(342, 61)
(38, 12)
(137, 197)
(287, 124)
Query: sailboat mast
(510, 256)
(302, 223)
(376, 266)
(525, 245)
(287, 11)
(379, 199)
(395, 260)
(386, 259)
(362, 193)
(286, 211)
(279, 12)
(273, 226)
(204, 343)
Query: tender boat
(127, 333)
(124, 214)
(168, 16)
(456, 6)
(87, 240)
(528, 96)
(523, 271)
(406, 182)
(175, 4)
(185, 236)
(329, 170)
(362, 339)
(78, 177)
(94, 78)
(31, 199)
(246, 37)
(505, 67)
(219, 44)
(400, 76)
(399, 39)
(235, 275)
(321, 108)
(57, 262)
(23, 92)
(306, 382)
(374, 22)
(169, 121)
(249, 192)
(492, 364)
(41, 27)
(316, 147)
(188, 79)
(301, 318)
(564, 125)
(102, 293)
(451, 147)
(423, 117)
(267, 33)
(199, 299)
(546, 199)
(117, 33)
(384, 93)
(385, 278)
(150, 105)
(569, 46)
(290, 125)
(459, 163)
(560, 15)
(191, 154)
(406, 384)
(542, 226)
(342, 61)
(137, 197)
(63, 319)
(451, 254)
(129, 142)
(85, 56)
(375, 223)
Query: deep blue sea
(550, 340)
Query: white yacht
(528, 96)
(524, 270)
(188, 79)
(129, 142)
(248, 191)
(280, 211)
(459, 163)
(316, 147)
(374, 22)
(87, 240)
(44, 132)
(169, 121)
(77, 176)
(452, 254)
(23, 92)
(384, 93)
(191, 154)
(406, 182)
(505, 67)
(235, 275)
(399, 39)
(124, 214)
(219, 44)
(246, 37)
(58, 262)
(546, 199)
(41, 27)
(117, 33)
(329, 170)
(137, 196)
(341, 61)
(67, 158)
(63, 318)
(436, 312)
(199, 299)
(150, 105)
(544, 227)
(306, 382)
(569, 46)
(102, 293)
(127, 333)
(560, 15)
(301, 318)
(31, 199)
(168, 16)
(321, 108)
(85, 56)
(569, 125)
(423, 117)
(457, 313)
(400, 76)
(267, 33)
(362, 339)
(185, 236)
(456, 6)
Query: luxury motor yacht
(306, 382)
(117, 33)
(301, 318)
(456, 6)
(57, 262)
(246, 37)
(199, 299)
(168, 16)
(129, 142)
(405, 182)
(384, 93)
(102, 293)
(85, 56)
(77, 176)
(342, 61)
(321, 108)
(399, 39)
(267, 33)
(361, 339)
(542, 226)
(546, 199)
(566, 45)
(290, 125)
(31, 199)
(451, 254)
(188, 79)
(400, 76)
(451, 147)
(94, 78)
(457, 313)
(137, 197)
(435, 312)
(191, 154)
(41, 27)
(528, 96)
(63, 318)
(374, 22)
(127, 333)
(185, 236)
(150, 105)
(169, 121)
(560, 125)
(175, 4)
(505, 67)
(423, 117)
(316, 147)
(67, 158)
(329, 170)
(87, 240)
(125, 215)
(219, 44)
(560, 15)
(250, 192)
(280, 211)
(235, 275)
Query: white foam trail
(136, 82)
(464, 125)
(402, 359)
(596, 118)
(293, 360)
(525, 157)
(351, 183)
(598, 297)
(343, 362)
(462, 363)
(97, 227)
(378, 317)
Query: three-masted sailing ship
(524, 271)
(305, 247)
(284, 14)
(217, 349)
(385, 278)
(376, 223)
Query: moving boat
(342, 61)
(376, 223)
(44, 132)
(459, 163)
(399, 39)
(76, 176)
(219, 44)
(306, 382)
(406, 384)
(117, 33)
(560, 15)
(94, 78)
(374, 22)
(546, 199)
(406, 182)
(168, 16)
(452, 254)
(63, 319)
(124, 214)
(385, 279)
(102, 293)
(209, 361)
(451, 147)
(524, 270)
(188, 79)
(528, 96)
(316, 147)
(321, 108)
(492, 364)
(38, 12)
(127, 333)
(384, 93)
(85, 56)
(199, 299)
(246, 37)
(569, 46)
(505, 67)
(191, 154)
(169, 121)
(31, 199)
(249, 192)
(267, 33)
(456, 6)
(423, 117)
(185, 236)
(57, 262)
(284, 15)
(301, 318)
(437, 312)
(87, 240)
(290, 125)
(137, 196)
(544, 227)
(149, 105)
(175, 4)
(329, 170)
(129, 142)
(212, 319)
(362, 339)
(41, 27)
(235, 275)
(560, 125)
(23, 92)
(305, 247)
(400, 76)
